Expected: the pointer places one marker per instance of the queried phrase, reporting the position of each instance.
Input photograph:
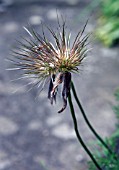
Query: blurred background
(32, 135)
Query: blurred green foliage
(108, 25)
(106, 160)
(116, 108)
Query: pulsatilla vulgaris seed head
(45, 62)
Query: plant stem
(87, 121)
(77, 132)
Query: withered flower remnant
(45, 62)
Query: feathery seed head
(54, 63)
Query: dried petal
(55, 81)
(66, 90)
(50, 89)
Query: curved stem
(78, 135)
(87, 121)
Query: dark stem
(77, 132)
(87, 121)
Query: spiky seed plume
(40, 59)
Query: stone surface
(64, 131)
(7, 126)
(34, 125)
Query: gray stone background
(32, 135)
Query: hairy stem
(87, 121)
(77, 132)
